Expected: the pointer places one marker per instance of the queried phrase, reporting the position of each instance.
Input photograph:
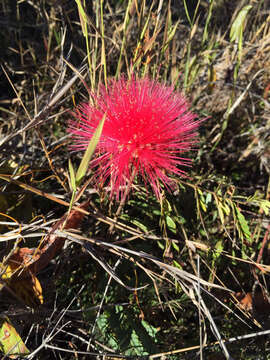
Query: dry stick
(51, 335)
(196, 347)
(127, 253)
(101, 305)
(200, 308)
(214, 328)
(177, 274)
(266, 236)
(41, 139)
(16, 92)
(264, 242)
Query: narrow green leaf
(218, 249)
(83, 17)
(175, 246)
(226, 208)
(139, 225)
(238, 24)
(72, 175)
(170, 223)
(89, 152)
(243, 224)
(265, 205)
(176, 264)
(187, 13)
(220, 212)
(203, 206)
(170, 36)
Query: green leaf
(218, 249)
(140, 225)
(243, 224)
(238, 25)
(177, 265)
(72, 175)
(11, 343)
(226, 208)
(170, 223)
(208, 198)
(175, 246)
(89, 152)
(161, 245)
(203, 206)
(220, 212)
(83, 17)
(151, 330)
(171, 34)
(265, 205)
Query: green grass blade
(89, 152)
(72, 175)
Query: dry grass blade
(177, 274)
(197, 347)
(108, 268)
(40, 118)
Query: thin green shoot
(77, 177)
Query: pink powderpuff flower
(147, 129)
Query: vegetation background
(185, 280)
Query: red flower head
(147, 128)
